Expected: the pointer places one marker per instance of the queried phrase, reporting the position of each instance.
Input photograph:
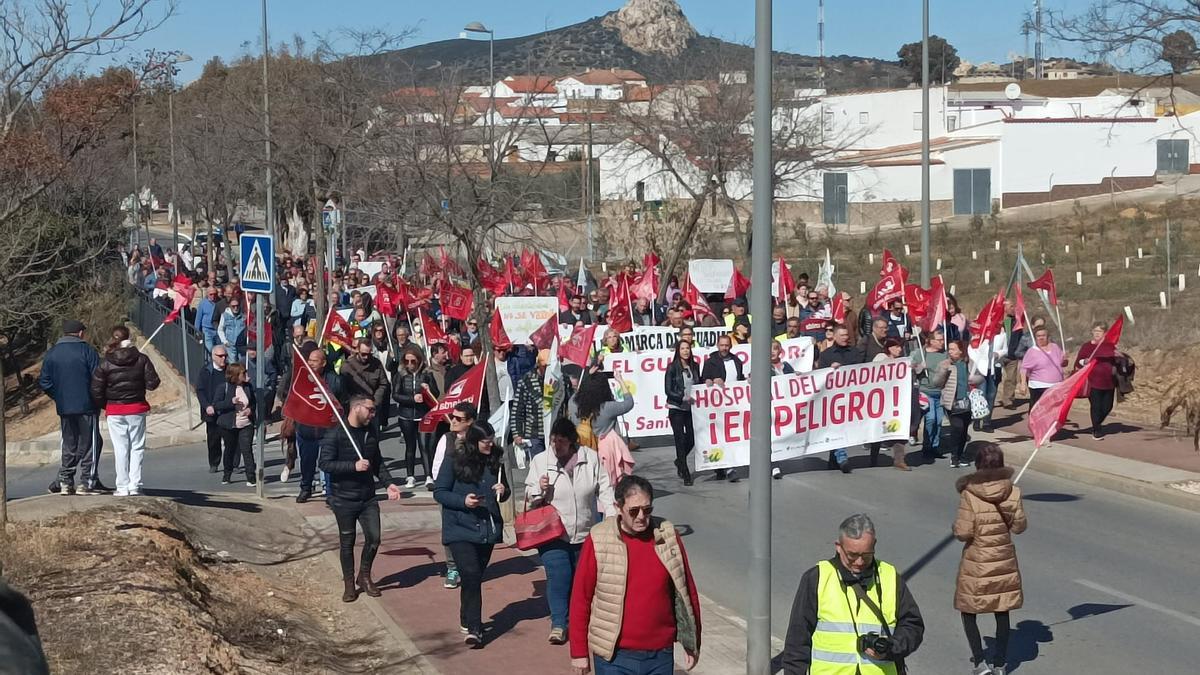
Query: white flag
(825, 276)
(581, 278)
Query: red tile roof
(530, 84)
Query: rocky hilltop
(653, 37)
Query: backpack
(586, 435)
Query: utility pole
(758, 623)
(1037, 45)
(591, 198)
(821, 43)
(268, 228)
(925, 217)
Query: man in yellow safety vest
(853, 614)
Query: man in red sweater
(634, 625)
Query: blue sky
(981, 29)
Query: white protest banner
(649, 338)
(811, 413)
(710, 275)
(366, 290)
(370, 268)
(523, 315)
(645, 373)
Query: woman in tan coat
(989, 580)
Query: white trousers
(128, 433)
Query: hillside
(652, 37)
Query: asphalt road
(1110, 580)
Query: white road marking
(1186, 618)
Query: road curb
(41, 452)
(1156, 492)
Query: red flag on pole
(578, 348)
(692, 295)
(645, 287)
(448, 264)
(1046, 283)
(430, 329)
(989, 322)
(428, 267)
(1050, 413)
(620, 315)
(838, 309)
(738, 285)
(456, 302)
(500, 339)
(512, 279)
(385, 299)
(890, 265)
(889, 288)
(1113, 335)
(787, 285)
(1019, 310)
(466, 389)
(338, 330)
(306, 403)
(650, 260)
(917, 301)
(563, 302)
(935, 315)
(545, 335)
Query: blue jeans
(559, 558)
(933, 420)
(309, 450)
(634, 662)
(210, 339)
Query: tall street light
(477, 27)
(269, 228)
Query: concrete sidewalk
(409, 570)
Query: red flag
(577, 349)
(174, 314)
(489, 278)
(890, 265)
(466, 389)
(545, 335)
(890, 287)
(1019, 309)
(252, 335)
(935, 316)
(694, 298)
(385, 299)
(738, 285)
(838, 308)
(650, 260)
(512, 280)
(456, 302)
(448, 264)
(500, 339)
(620, 315)
(1113, 336)
(563, 302)
(989, 322)
(645, 287)
(338, 330)
(306, 403)
(1046, 283)
(182, 292)
(787, 285)
(429, 267)
(430, 329)
(917, 301)
(535, 271)
(1050, 413)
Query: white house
(600, 84)
(528, 89)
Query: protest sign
(710, 275)
(645, 373)
(650, 338)
(523, 315)
(369, 267)
(811, 413)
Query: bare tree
(1148, 33)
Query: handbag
(538, 526)
(979, 405)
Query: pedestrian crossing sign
(258, 263)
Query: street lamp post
(477, 27)
(925, 216)
(268, 227)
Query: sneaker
(429, 484)
(999, 670)
(120, 493)
(410, 483)
(250, 483)
(463, 629)
(101, 487)
(452, 579)
(226, 481)
(558, 636)
(214, 469)
(733, 476)
(66, 490)
(474, 640)
(303, 497)
(845, 467)
(85, 490)
(776, 473)
(982, 669)
(285, 475)
(134, 493)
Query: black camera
(876, 643)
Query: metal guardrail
(148, 314)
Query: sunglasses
(636, 511)
(411, 361)
(460, 418)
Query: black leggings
(958, 435)
(681, 429)
(347, 514)
(472, 560)
(414, 442)
(971, 628)
(1034, 396)
(1102, 405)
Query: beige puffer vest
(608, 603)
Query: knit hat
(70, 326)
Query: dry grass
(123, 589)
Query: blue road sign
(258, 263)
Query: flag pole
(1027, 463)
(333, 404)
(156, 331)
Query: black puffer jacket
(674, 383)
(405, 386)
(124, 376)
(338, 458)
